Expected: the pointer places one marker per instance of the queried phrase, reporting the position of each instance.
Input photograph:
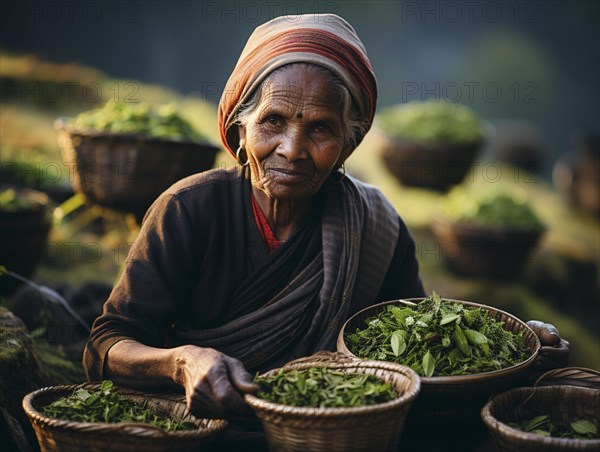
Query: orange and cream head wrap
(325, 40)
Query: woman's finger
(241, 379)
(559, 353)
(547, 332)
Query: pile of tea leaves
(544, 426)
(324, 388)
(104, 405)
(439, 338)
(138, 118)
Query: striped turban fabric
(325, 40)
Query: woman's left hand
(555, 350)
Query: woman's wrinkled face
(294, 137)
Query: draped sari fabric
(359, 233)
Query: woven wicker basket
(435, 167)
(373, 428)
(126, 171)
(23, 236)
(61, 435)
(485, 250)
(564, 403)
(446, 401)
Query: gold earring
(237, 156)
(340, 173)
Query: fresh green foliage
(107, 406)
(12, 201)
(322, 387)
(439, 338)
(544, 426)
(497, 208)
(432, 123)
(142, 118)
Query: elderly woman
(241, 270)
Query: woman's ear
(343, 156)
(241, 133)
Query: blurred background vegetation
(529, 70)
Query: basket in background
(485, 251)
(65, 436)
(367, 428)
(436, 167)
(128, 172)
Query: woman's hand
(214, 383)
(555, 351)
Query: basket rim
(498, 426)
(61, 124)
(334, 412)
(452, 379)
(466, 226)
(134, 429)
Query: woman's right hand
(214, 383)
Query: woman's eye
(321, 129)
(274, 120)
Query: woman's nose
(293, 145)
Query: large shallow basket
(449, 401)
(372, 428)
(126, 171)
(61, 435)
(564, 403)
(474, 250)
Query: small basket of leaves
(100, 416)
(558, 416)
(126, 154)
(462, 351)
(332, 402)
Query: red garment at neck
(263, 226)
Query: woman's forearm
(134, 364)
(214, 383)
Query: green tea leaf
(584, 427)
(475, 337)
(540, 432)
(302, 383)
(106, 386)
(536, 422)
(398, 343)
(428, 364)
(82, 395)
(449, 318)
(398, 315)
(461, 340)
